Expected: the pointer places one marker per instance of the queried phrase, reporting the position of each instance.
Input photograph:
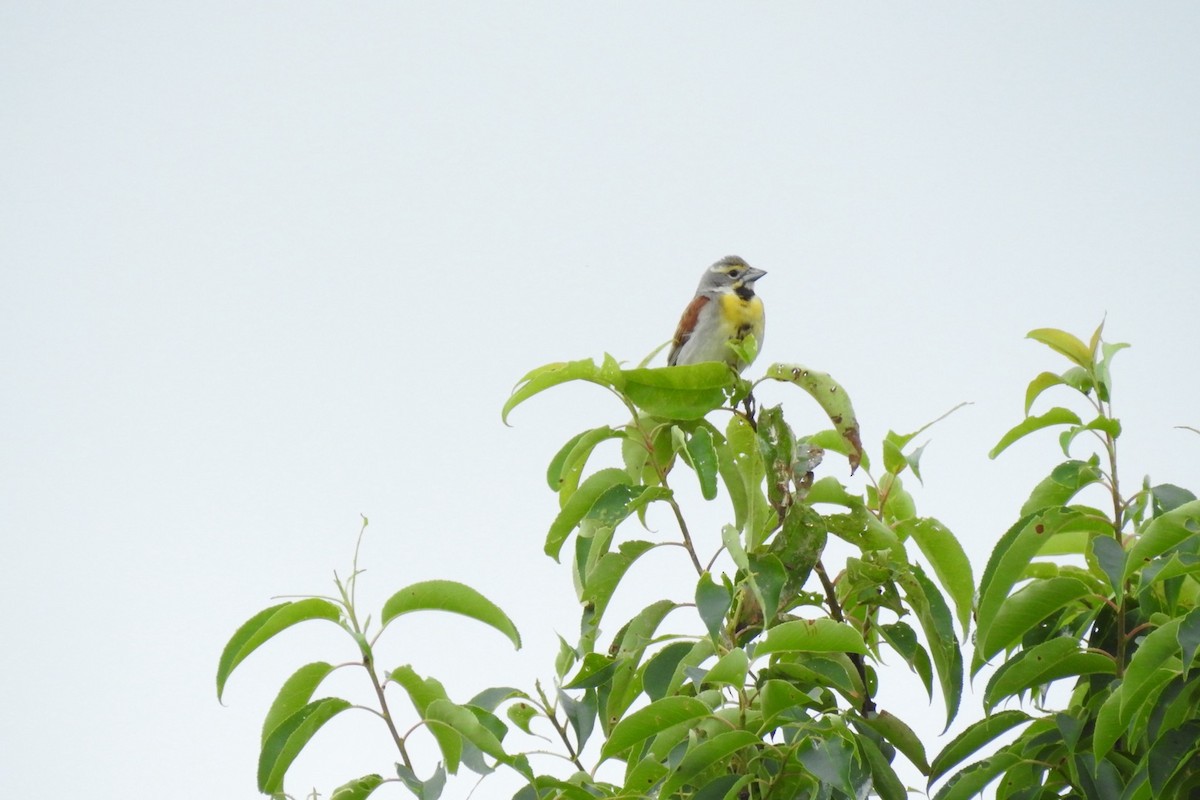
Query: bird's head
(730, 274)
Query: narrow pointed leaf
(543, 378)
(1162, 534)
(948, 560)
(1040, 665)
(1055, 416)
(357, 789)
(973, 738)
(654, 718)
(937, 623)
(704, 461)
(289, 738)
(466, 725)
(265, 624)
(1061, 486)
(713, 603)
(1038, 385)
(422, 692)
(580, 502)
(451, 596)
(687, 392)
(884, 780)
(833, 400)
(296, 693)
(900, 736)
(1063, 343)
(564, 473)
(703, 755)
(812, 636)
(1024, 609)
(1111, 557)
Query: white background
(265, 267)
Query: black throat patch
(744, 292)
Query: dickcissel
(724, 311)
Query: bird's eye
(735, 273)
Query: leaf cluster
(1098, 599)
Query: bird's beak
(753, 274)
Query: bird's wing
(687, 324)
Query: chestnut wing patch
(687, 324)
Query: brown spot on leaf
(1039, 528)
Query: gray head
(730, 274)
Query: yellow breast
(742, 316)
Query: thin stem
(560, 729)
(368, 663)
(683, 529)
(835, 611)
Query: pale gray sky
(266, 266)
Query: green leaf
(357, 789)
(767, 577)
(1147, 672)
(1038, 385)
(1061, 486)
(713, 603)
(580, 503)
(1111, 557)
(704, 460)
(829, 760)
(777, 446)
(1042, 664)
(1025, 609)
(603, 580)
(812, 636)
(566, 470)
(703, 755)
(542, 378)
(421, 692)
(730, 669)
(1103, 377)
(424, 790)
(296, 693)
(1168, 497)
(948, 560)
(1107, 425)
(1055, 416)
(973, 738)
(831, 397)
(798, 546)
(1010, 557)
(685, 392)
(1163, 533)
(522, 714)
(893, 453)
(1189, 638)
(555, 469)
(654, 718)
(641, 777)
(580, 713)
(932, 612)
(451, 596)
(595, 670)
(289, 738)
(1063, 343)
(264, 625)
(884, 780)
(661, 667)
(900, 736)
(460, 720)
(749, 470)
(971, 781)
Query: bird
(724, 311)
